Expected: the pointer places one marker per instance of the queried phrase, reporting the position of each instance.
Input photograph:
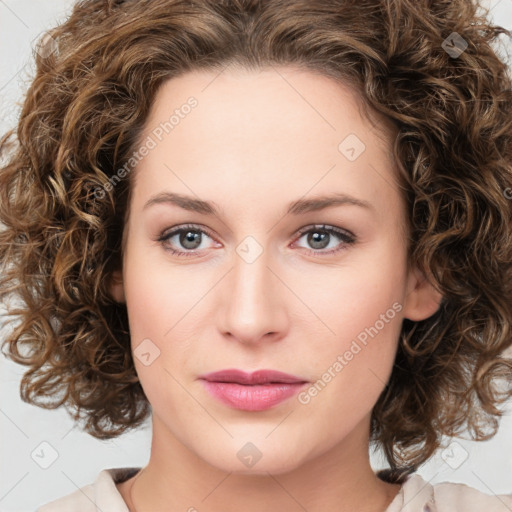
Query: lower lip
(252, 398)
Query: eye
(188, 237)
(319, 237)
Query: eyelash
(346, 237)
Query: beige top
(415, 495)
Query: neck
(175, 478)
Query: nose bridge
(251, 272)
(254, 306)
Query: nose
(254, 301)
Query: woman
(282, 229)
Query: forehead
(281, 129)
(268, 98)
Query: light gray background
(24, 484)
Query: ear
(116, 286)
(422, 299)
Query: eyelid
(326, 227)
(182, 227)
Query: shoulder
(102, 494)
(417, 495)
(82, 500)
(451, 496)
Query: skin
(257, 141)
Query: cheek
(351, 370)
(164, 306)
(147, 306)
(159, 344)
(157, 297)
(360, 294)
(360, 311)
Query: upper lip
(257, 377)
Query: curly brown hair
(87, 106)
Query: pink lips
(257, 391)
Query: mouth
(256, 391)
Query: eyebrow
(298, 207)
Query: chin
(255, 458)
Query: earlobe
(116, 286)
(422, 299)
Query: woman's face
(295, 261)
